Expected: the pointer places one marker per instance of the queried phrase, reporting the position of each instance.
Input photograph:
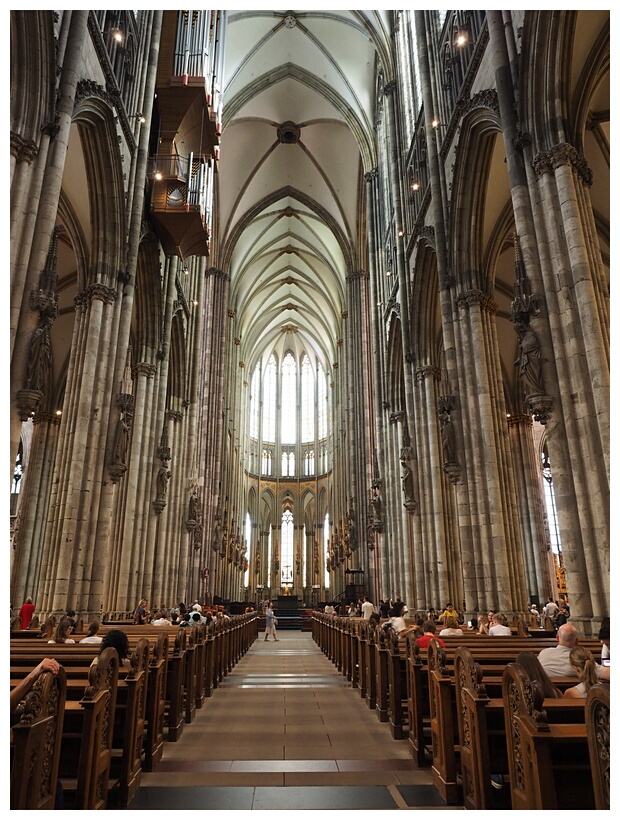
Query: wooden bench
(128, 715)
(599, 735)
(549, 763)
(86, 749)
(442, 722)
(36, 742)
(482, 733)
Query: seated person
(117, 639)
(161, 619)
(451, 628)
(396, 621)
(586, 669)
(499, 627)
(91, 635)
(428, 628)
(62, 632)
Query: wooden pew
(397, 681)
(482, 733)
(128, 715)
(549, 763)
(86, 750)
(597, 722)
(36, 742)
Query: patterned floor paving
(286, 731)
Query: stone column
(493, 574)
(35, 246)
(34, 505)
(79, 469)
(530, 507)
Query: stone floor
(285, 731)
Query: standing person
(140, 616)
(550, 610)
(26, 612)
(270, 623)
(384, 608)
(367, 609)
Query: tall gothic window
(288, 417)
(289, 402)
(288, 462)
(269, 401)
(286, 549)
(322, 402)
(326, 551)
(269, 558)
(307, 401)
(255, 402)
(304, 577)
(552, 514)
(248, 541)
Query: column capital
(95, 291)
(547, 162)
(476, 297)
(23, 149)
(428, 371)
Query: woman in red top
(429, 632)
(26, 612)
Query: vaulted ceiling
(297, 138)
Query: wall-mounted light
(461, 38)
(59, 412)
(140, 117)
(388, 273)
(158, 175)
(117, 34)
(415, 185)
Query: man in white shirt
(367, 609)
(550, 609)
(556, 660)
(329, 609)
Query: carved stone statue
(163, 477)
(121, 443)
(376, 504)
(529, 360)
(407, 481)
(447, 438)
(192, 513)
(40, 359)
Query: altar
(287, 602)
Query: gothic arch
(147, 308)
(103, 167)
(33, 73)
(395, 386)
(425, 305)
(474, 158)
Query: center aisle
(285, 730)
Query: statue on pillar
(407, 482)
(376, 505)
(529, 360)
(163, 477)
